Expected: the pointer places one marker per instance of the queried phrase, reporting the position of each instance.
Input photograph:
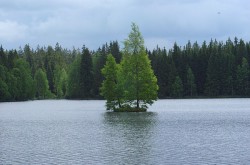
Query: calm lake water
(202, 131)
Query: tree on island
(133, 86)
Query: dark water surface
(203, 131)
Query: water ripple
(83, 136)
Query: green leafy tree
(109, 88)
(4, 89)
(13, 85)
(138, 79)
(99, 60)
(132, 85)
(42, 84)
(60, 81)
(49, 66)
(28, 55)
(73, 83)
(25, 83)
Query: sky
(73, 23)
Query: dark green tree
(99, 60)
(115, 51)
(177, 87)
(49, 65)
(28, 55)
(191, 86)
(243, 78)
(86, 74)
(4, 89)
(3, 57)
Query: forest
(214, 69)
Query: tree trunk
(137, 84)
(137, 103)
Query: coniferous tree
(4, 89)
(60, 81)
(3, 57)
(138, 79)
(86, 74)
(243, 78)
(73, 83)
(191, 86)
(115, 51)
(49, 65)
(177, 88)
(99, 60)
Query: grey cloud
(77, 22)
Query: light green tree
(131, 85)
(24, 81)
(42, 84)
(60, 77)
(137, 79)
(73, 83)
(110, 89)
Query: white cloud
(12, 31)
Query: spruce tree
(86, 75)
(191, 86)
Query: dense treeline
(210, 70)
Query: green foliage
(191, 86)
(86, 74)
(42, 85)
(177, 87)
(213, 69)
(25, 83)
(134, 43)
(136, 85)
(110, 89)
(60, 81)
(4, 90)
(242, 78)
(73, 83)
(3, 57)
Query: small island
(131, 85)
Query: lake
(189, 131)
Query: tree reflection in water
(128, 136)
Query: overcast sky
(94, 22)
